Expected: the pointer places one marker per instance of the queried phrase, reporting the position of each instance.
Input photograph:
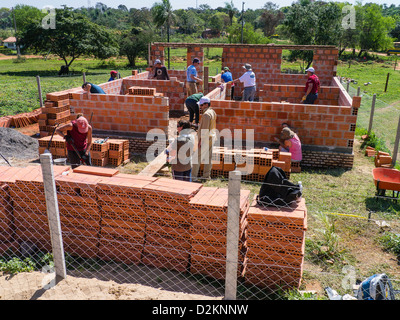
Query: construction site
(145, 219)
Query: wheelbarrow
(387, 179)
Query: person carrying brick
(180, 152)
(191, 104)
(78, 135)
(192, 78)
(92, 88)
(249, 82)
(160, 71)
(290, 142)
(312, 86)
(206, 136)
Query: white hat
(204, 100)
(157, 61)
(247, 66)
(311, 70)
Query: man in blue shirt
(92, 88)
(227, 77)
(113, 74)
(191, 77)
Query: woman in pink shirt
(290, 142)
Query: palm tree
(231, 10)
(163, 15)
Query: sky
(176, 4)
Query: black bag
(277, 190)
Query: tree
(134, 44)
(249, 35)
(230, 10)
(73, 37)
(163, 16)
(270, 18)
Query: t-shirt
(96, 89)
(161, 73)
(191, 70)
(80, 139)
(315, 82)
(248, 79)
(196, 96)
(226, 76)
(182, 149)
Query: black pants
(193, 108)
(75, 161)
(310, 99)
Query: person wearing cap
(192, 104)
(180, 152)
(312, 86)
(249, 82)
(160, 71)
(192, 77)
(206, 136)
(290, 142)
(92, 88)
(226, 77)
(77, 133)
(114, 75)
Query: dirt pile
(15, 145)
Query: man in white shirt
(249, 81)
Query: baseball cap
(247, 66)
(226, 69)
(82, 124)
(204, 100)
(113, 72)
(157, 61)
(196, 60)
(311, 70)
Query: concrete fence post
(371, 116)
(84, 77)
(53, 216)
(40, 91)
(232, 236)
(396, 145)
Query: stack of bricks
(56, 111)
(370, 152)
(58, 146)
(20, 120)
(123, 223)
(209, 214)
(383, 159)
(79, 213)
(141, 91)
(99, 153)
(118, 151)
(26, 190)
(275, 245)
(254, 163)
(168, 238)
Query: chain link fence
(210, 241)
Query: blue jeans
(183, 175)
(249, 93)
(310, 99)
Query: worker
(192, 78)
(312, 86)
(92, 88)
(191, 104)
(290, 142)
(113, 75)
(249, 81)
(206, 136)
(78, 136)
(180, 152)
(160, 71)
(226, 77)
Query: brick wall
(123, 113)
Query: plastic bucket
(60, 162)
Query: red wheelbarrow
(386, 179)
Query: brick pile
(58, 146)
(254, 163)
(168, 239)
(56, 111)
(209, 214)
(20, 120)
(383, 159)
(370, 152)
(275, 245)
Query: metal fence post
(396, 145)
(232, 236)
(371, 117)
(53, 216)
